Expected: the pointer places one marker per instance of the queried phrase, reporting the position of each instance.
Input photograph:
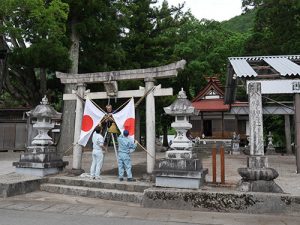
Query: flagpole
(144, 149)
(113, 139)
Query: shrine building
(216, 119)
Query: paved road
(15, 217)
(47, 208)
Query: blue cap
(125, 133)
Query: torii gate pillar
(77, 149)
(150, 128)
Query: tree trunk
(43, 81)
(3, 61)
(68, 121)
(165, 136)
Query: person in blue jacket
(126, 146)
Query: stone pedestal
(258, 177)
(180, 169)
(270, 150)
(39, 161)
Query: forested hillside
(243, 23)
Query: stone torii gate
(109, 79)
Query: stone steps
(107, 194)
(108, 188)
(105, 183)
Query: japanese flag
(125, 119)
(91, 118)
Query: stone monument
(258, 176)
(235, 144)
(41, 157)
(182, 167)
(270, 146)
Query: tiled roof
(211, 105)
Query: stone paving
(71, 205)
(74, 205)
(288, 180)
(285, 165)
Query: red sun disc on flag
(130, 125)
(87, 123)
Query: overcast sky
(211, 9)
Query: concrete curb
(16, 184)
(232, 201)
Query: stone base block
(177, 182)
(37, 172)
(181, 179)
(39, 157)
(235, 152)
(46, 165)
(259, 186)
(179, 164)
(180, 154)
(39, 169)
(271, 151)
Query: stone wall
(220, 201)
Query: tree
(148, 40)
(34, 33)
(205, 45)
(276, 29)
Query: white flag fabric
(125, 119)
(91, 118)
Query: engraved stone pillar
(255, 119)
(257, 177)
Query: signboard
(278, 86)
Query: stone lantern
(182, 167)
(41, 157)
(43, 113)
(182, 109)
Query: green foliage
(99, 25)
(242, 23)
(205, 45)
(277, 28)
(35, 32)
(117, 34)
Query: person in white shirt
(97, 153)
